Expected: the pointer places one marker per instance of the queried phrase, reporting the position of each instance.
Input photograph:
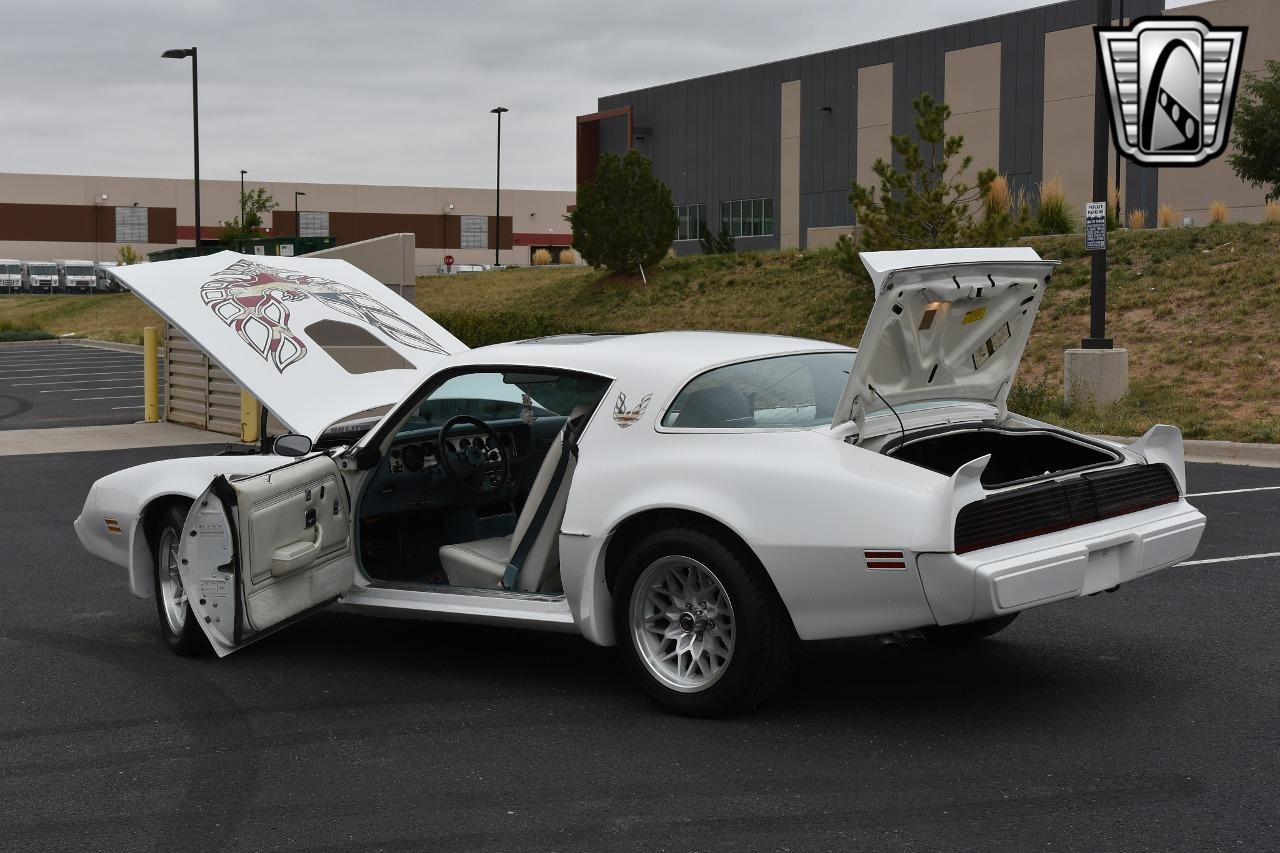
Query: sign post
(1097, 373)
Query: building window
(313, 223)
(692, 218)
(749, 217)
(475, 232)
(131, 225)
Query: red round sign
(448, 260)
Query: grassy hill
(1198, 309)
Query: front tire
(699, 624)
(177, 623)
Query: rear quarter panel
(806, 505)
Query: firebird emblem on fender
(253, 299)
(624, 417)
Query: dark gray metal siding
(716, 138)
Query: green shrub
(1054, 215)
(624, 218)
(10, 331)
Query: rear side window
(768, 393)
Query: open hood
(315, 339)
(947, 324)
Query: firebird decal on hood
(624, 417)
(253, 299)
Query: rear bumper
(1068, 564)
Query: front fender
(110, 524)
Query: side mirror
(291, 444)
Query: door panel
(283, 549)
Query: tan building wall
(533, 212)
(875, 119)
(1070, 65)
(1189, 191)
(973, 92)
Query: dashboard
(414, 456)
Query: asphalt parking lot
(70, 385)
(1144, 720)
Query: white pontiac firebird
(702, 500)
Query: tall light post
(497, 189)
(242, 174)
(297, 220)
(183, 53)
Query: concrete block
(1100, 376)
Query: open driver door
(260, 552)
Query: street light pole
(183, 53)
(497, 189)
(242, 174)
(297, 220)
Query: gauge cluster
(422, 455)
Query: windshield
(510, 395)
(42, 269)
(10, 269)
(788, 391)
(85, 271)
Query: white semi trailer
(40, 277)
(77, 276)
(10, 275)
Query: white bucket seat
(529, 559)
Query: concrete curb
(1221, 452)
(80, 342)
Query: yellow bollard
(150, 376)
(250, 416)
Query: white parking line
(63, 367)
(123, 397)
(107, 387)
(62, 356)
(1234, 491)
(1230, 559)
(56, 375)
(118, 408)
(124, 375)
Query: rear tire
(177, 623)
(699, 624)
(967, 632)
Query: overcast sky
(380, 91)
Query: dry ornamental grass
(1165, 217)
(1137, 219)
(998, 199)
(1219, 213)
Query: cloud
(385, 92)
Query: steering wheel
(479, 469)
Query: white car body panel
(252, 314)
(125, 495)
(807, 503)
(947, 324)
